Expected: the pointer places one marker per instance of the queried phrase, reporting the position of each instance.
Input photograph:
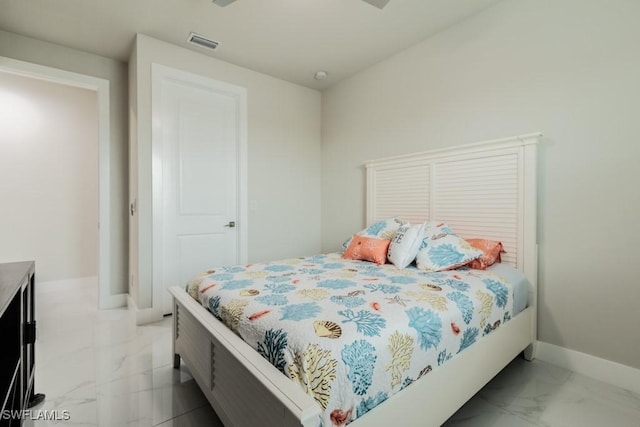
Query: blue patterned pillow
(384, 229)
(442, 250)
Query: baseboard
(66, 284)
(113, 301)
(144, 315)
(601, 369)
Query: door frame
(159, 73)
(101, 87)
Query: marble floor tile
(148, 398)
(539, 394)
(586, 402)
(203, 416)
(103, 369)
(106, 371)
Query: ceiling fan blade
(377, 3)
(223, 2)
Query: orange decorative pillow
(367, 249)
(490, 253)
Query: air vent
(202, 41)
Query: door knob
(231, 224)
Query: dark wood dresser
(17, 335)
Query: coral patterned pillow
(441, 249)
(490, 253)
(367, 249)
(384, 229)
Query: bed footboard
(243, 388)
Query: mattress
(518, 280)
(353, 333)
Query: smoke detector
(320, 75)
(202, 41)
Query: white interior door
(200, 211)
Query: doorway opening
(101, 88)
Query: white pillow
(405, 244)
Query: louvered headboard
(485, 190)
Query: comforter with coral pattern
(353, 333)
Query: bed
(485, 189)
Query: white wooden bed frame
(486, 190)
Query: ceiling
(288, 39)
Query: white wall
(49, 177)
(568, 68)
(64, 58)
(283, 157)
